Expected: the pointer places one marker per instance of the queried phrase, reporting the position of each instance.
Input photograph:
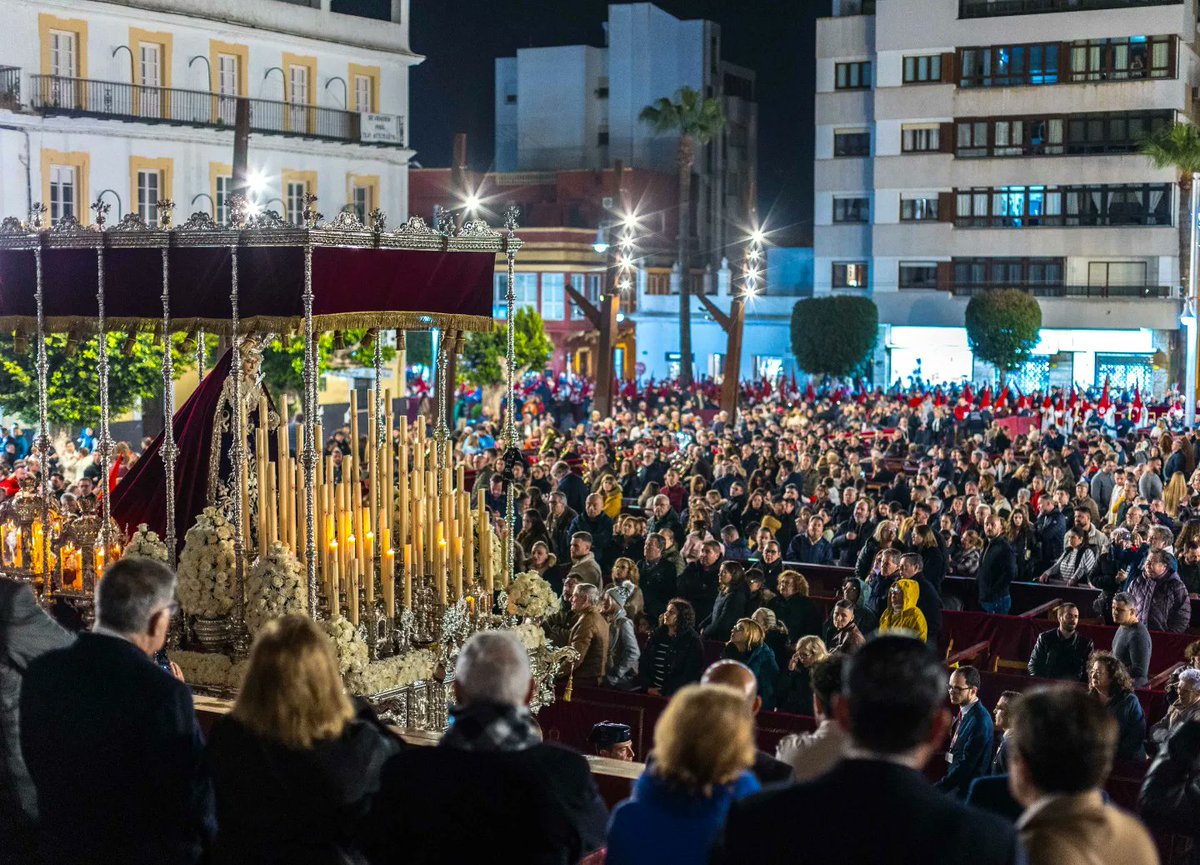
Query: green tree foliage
(834, 335)
(1003, 326)
(73, 382)
(283, 359)
(483, 354)
(420, 348)
(1178, 147)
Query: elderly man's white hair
(1190, 675)
(493, 667)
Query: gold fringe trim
(259, 324)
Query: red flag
(939, 398)
(1139, 409)
(114, 474)
(1074, 400)
(1105, 401)
(795, 387)
(810, 395)
(967, 395)
(1002, 399)
(985, 398)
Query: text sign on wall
(382, 129)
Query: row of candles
(401, 513)
(24, 549)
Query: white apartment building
(133, 101)
(963, 145)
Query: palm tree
(696, 120)
(1178, 146)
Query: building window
(362, 94)
(64, 188)
(64, 54)
(919, 209)
(1122, 59)
(658, 283)
(294, 201)
(918, 274)
(851, 210)
(857, 143)
(149, 193)
(1008, 65)
(1042, 275)
(923, 138)
(923, 69)
(602, 139)
(510, 99)
(224, 187)
(852, 76)
(525, 290)
(989, 8)
(552, 296)
(229, 75)
(1034, 206)
(1068, 134)
(602, 88)
(849, 274)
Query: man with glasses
(110, 738)
(970, 752)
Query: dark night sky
(452, 90)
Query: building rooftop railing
(85, 97)
(994, 8)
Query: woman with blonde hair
(703, 751)
(626, 569)
(795, 686)
(1175, 495)
(295, 764)
(748, 644)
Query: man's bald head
(736, 675)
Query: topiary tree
(1003, 327)
(483, 354)
(834, 335)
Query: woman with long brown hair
(295, 764)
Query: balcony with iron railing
(1048, 289)
(10, 87)
(85, 97)
(994, 8)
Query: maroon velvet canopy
(352, 286)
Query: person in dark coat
(1049, 529)
(664, 518)
(699, 581)
(1063, 652)
(811, 548)
(1170, 796)
(894, 691)
(997, 569)
(657, 577)
(850, 536)
(970, 752)
(674, 656)
(570, 485)
(793, 608)
(1110, 683)
(295, 764)
(599, 525)
(730, 605)
(110, 738)
(530, 801)
(26, 633)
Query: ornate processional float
(392, 554)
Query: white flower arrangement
(399, 672)
(207, 668)
(275, 587)
(146, 544)
(350, 644)
(531, 635)
(205, 571)
(529, 596)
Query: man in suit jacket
(970, 753)
(1062, 750)
(528, 801)
(26, 633)
(110, 738)
(570, 485)
(892, 708)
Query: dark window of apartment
(852, 144)
(1122, 59)
(985, 273)
(849, 274)
(918, 209)
(602, 139)
(852, 76)
(992, 8)
(510, 98)
(1035, 206)
(1070, 134)
(925, 138)
(602, 92)
(739, 86)
(851, 210)
(1009, 65)
(918, 274)
(923, 69)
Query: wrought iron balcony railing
(54, 94)
(1041, 289)
(991, 8)
(10, 87)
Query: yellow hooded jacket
(909, 618)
